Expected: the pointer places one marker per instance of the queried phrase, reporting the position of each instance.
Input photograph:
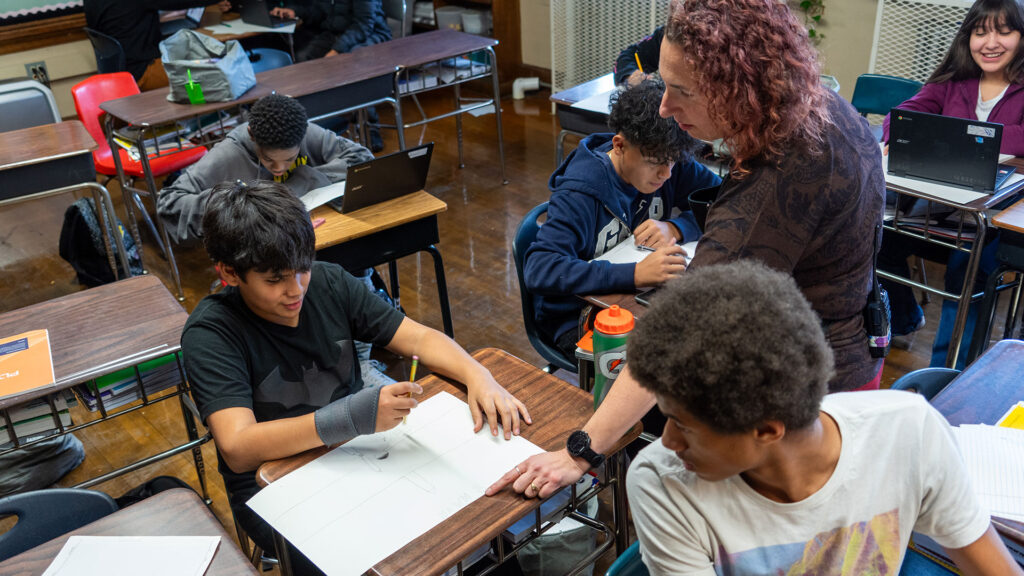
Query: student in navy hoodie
(635, 180)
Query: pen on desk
(412, 376)
(225, 24)
(645, 248)
(638, 65)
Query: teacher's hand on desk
(542, 474)
(659, 266)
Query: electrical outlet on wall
(37, 71)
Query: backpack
(149, 488)
(81, 244)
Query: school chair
(926, 381)
(263, 59)
(26, 103)
(108, 51)
(88, 95)
(628, 563)
(399, 17)
(878, 93)
(46, 514)
(525, 235)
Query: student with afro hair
(278, 143)
(635, 180)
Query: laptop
(953, 151)
(191, 20)
(384, 178)
(257, 12)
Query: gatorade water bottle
(611, 328)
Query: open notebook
(626, 252)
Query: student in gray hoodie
(280, 144)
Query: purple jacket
(960, 99)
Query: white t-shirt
(984, 107)
(899, 471)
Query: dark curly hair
(277, 122)
(985, 14)
(260, 227)
(634, 115)
(736, 345)
(759, 73)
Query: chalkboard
(15, 11)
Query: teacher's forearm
(624, 406)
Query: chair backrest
(927, 381)
(399, 15)
(878, 94)
(45, 514)
(628, 564)
(109, 53)
(525, 235)
(264, 59)
(26, 103)
(95, 90)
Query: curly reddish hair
(759, 73)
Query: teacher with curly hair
(805, 196)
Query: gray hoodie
(323, 159)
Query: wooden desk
(576, 120)
(971, 211)
(981, 394)
(557, 409)
(54, 159)
(382, 233)
(175, 512)
(102, 330)
(434, 48)
(1012, 218)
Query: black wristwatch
(578, 446)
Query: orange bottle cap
(614, 320)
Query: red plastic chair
(88, 95)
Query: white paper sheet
(394, 485)
(626, 252)
(320, 196)
(134, 555)
(949, 193)
(238, 26)
(994, 457)
(597, 103)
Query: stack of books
(121, 387)
(26, 366)
(34, 420)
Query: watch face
(578, 442)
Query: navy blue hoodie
(589, 208)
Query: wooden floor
(476, 236)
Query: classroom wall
(849, 27)
(67, 64)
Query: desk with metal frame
(981, 394)
(974, 211)
(1010, 256)
(55, 159)
(327, 87)
(100, 331)
(557, 409)
(383, 233)
(433, 50)
(577, 121)
(175, 512)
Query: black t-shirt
(234, 358)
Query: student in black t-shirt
(271, 359)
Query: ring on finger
(518, 471)
(536, 490)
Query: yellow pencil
(412, 376)
(638, 65)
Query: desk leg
(442, 291)
(620, 504)
(122, 179)
(396, 298)
(458, 124)
(497, 112)
(396, 104)
(283, 559)
(105, 213)
(967, 293)
(164, 237)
